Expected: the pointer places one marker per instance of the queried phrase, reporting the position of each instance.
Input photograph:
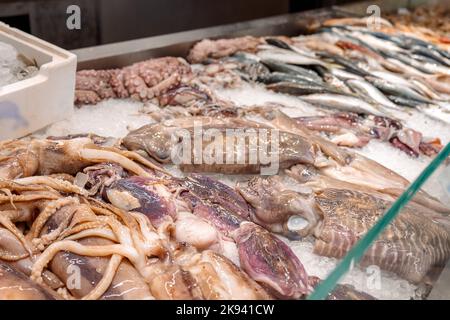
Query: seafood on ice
(148, 215)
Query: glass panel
(405, 254)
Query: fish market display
(14, 66)
(163, 187)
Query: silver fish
(372, 92)
(398, 90)
(290, 57)
(344, 75)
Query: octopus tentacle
(10, 195)
(103, 208)
(54, 183)
(6, 219)
(97, 155)
(14, 186)
(77, 248)
(49, 210)
(28, 197)
(137, 157)
(152, 245)
(7, 256)
(80, 228)
(94, 232)
(48, 238)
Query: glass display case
(405, 253)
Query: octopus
(141, 81)
(126, 225)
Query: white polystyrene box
(31, 104)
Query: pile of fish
(91, 217)
(370, 78)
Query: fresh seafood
(343, 103)
(263, 256)
(223, 216)
(44, 157)
(70, 230)
(229, 155)
(352, 130)
(338, 217)
(358, 70)
(135, 218)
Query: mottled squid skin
(342, 291)
(283, 149)
(217, 192)
(143, 195)
(270, 261)
(262, 255)
(410, 246)
(340, 213)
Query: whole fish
(372, 92)
(422, 66)
(432, 54)
(425, 89)
(283, 45)
(406, 69)
(344, 75)
(347, 64)
(275, 77)
(342, 102)
(290, 57)
(398, 90)
(377, 43)
(405, 102)
(277, 66)
(298, 88)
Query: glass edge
(356, 253)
